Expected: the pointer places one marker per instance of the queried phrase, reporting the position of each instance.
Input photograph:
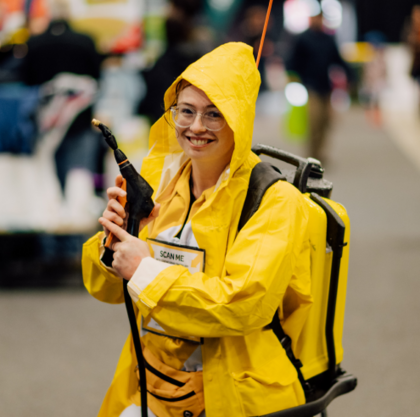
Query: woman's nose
(197, 126)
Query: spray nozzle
(109, 137)
(111, 141)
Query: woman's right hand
(114, 211)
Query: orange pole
(267, 18)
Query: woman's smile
(198, 141)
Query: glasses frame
(197, 113)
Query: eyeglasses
(185, 116)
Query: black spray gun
(138, 205)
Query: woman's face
(199, 143)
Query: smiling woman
(210, 149)
(205, 292)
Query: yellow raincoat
(246, 276)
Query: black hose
(137, 348)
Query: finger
(115, 192)
(106, 231)
(119, 180)
(144, 223)
(155, 211)
(121, 234)
(116, 245)
(152, 216)
(113, 217)
(116, 207)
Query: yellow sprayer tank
(318, 351)
(312, 348)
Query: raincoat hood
(229, 77)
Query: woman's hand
(129, 251)
(152, 216)
(115, 212)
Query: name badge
(191, 258)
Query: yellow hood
(230, 78)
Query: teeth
(198, 141)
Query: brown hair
(182, 84)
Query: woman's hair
(182, 84)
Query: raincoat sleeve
(99, 280)
(265, 258)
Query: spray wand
(138, 204)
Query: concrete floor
(58, 349)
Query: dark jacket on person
(60, 49)
(311, 58)
(181, 52)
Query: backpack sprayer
(138, 204)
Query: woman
(206, 293)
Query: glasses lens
(213, 120)
(184, 116)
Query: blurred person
(374, 78)
(312, 56)
(250, 32)
(60, 50)
(181, 51)
(203, 320)
(18, 19)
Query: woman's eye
(214, 115)
(186, 112)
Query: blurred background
(340, 82)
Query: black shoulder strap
(263, 176)
(286, 342)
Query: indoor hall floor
(59, 348)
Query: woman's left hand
(128, 252)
